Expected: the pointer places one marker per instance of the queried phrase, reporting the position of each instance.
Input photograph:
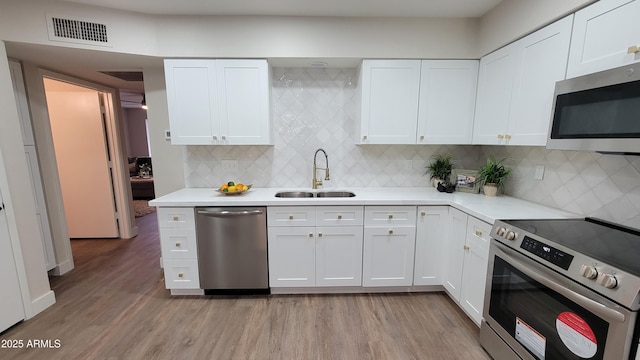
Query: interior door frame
(119, 164)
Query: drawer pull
(507, 136)
(364, 137)
(390, 216)
(180, 275)
(500, 136)
(319, 234)
(178, 244)
(224, 137)
(424, 213)
(466, 248)
(478, 233)
(290, 217)
(339, 217)
(633, 49)
(310, 234)
(176, 218)
(421, 137)
(390, 232)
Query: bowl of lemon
(233, 188)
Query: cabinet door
(602, 35)
(430, 236)
(495, 82)
(388, 256)
(454, 252)
(390, 90)
(542, 62)
(339, 256)
(11, 308)
(192, 101)
(474, 274)
(292, 256)
(243, 93)
(447, 101)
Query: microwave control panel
(546, 252)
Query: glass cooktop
(615, 245)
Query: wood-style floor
(113, 305)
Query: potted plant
(145, 170)
(440, 169)
(492, 175)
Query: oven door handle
(595, 307)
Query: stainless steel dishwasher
(232, 250)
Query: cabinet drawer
(181, 274)
(176, 218)
(390, 216)
(339, 215)
(291, 216)
(178, 243)
(478, 235)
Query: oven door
(541, 314)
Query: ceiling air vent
(77, 31)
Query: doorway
(79, 131)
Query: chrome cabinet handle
(634, 49)
(229, 213)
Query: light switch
(539, 174)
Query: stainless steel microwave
(598, 112)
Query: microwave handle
(595, 307)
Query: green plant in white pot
(440, 169)
(493, 175)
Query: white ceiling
(369, 8)
(86, 64)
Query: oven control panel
(546, 252)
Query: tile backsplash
(317, 108)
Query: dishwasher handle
(229, 213)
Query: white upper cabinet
(390, 93)
(604, 35)
(417, 101)
(218, 102)
(516, 86)
(447, 101)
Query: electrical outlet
(539, 174)
(229, 165)
(167, 134)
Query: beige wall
(513, 19)
(21, 212)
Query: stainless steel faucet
(317, 182)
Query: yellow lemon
(231, 189)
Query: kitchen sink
(309, 194)
(334, 194)
(294, 194)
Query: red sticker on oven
(576, 335)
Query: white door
(192, 99)
(454, 252)
(495, 84)
(339, 256)
(388, 256)
(390, 92)
(447, 101)
(243, 93)
(543, 61)
(11, 308)
(476, 258)
(430, 240)
(602, 35)
(78, 129)
(292, 256)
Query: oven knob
(590, 272)
(501, 231)
(608, 281)
(510, 235)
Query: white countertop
(483, 207)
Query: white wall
(19, 199)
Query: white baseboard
(40, 304)
(62, 268)
(355, 289)
(187, 292)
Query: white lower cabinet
(310, 256)
(389, 246)
(430, 234)
(467, 252)
(177, 229)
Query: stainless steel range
(562, 289)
